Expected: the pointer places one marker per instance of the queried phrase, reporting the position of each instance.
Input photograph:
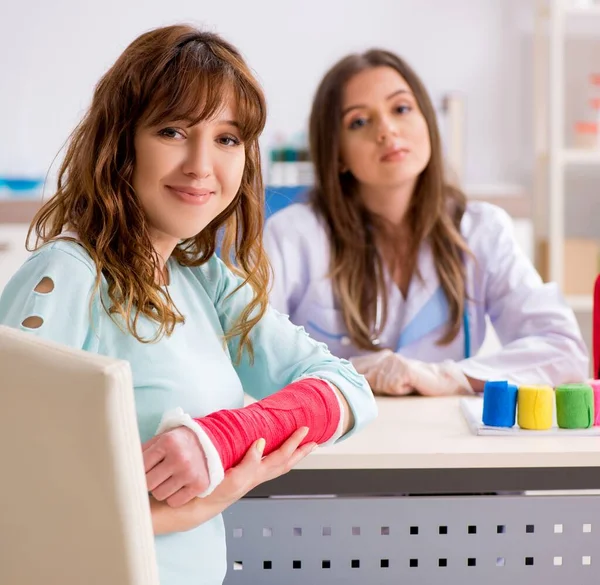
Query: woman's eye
(171, 133)
(229, 141)
(357, 123)
(403, 109)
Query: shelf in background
(581, 22)
(581, 156)
(583, 10)
(18, 210)
(580, 303)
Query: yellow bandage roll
(535, 407)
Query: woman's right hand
(252, 470)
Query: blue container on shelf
(21, 186)
(277, 198)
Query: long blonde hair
(175, 72)
(434, 213)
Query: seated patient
(125, 266)
(391, 267)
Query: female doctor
(391, 267)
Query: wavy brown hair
(171, 73)
(434, 212)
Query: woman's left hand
(443, 379)
(252, 470)
(391, 374)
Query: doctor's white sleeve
(278, 295)
(289, 277)
(541, 340)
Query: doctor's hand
(391, 374)
(441, 379)
(387, 373)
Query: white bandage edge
(178, 418)
(339, 431)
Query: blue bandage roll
(499, 403)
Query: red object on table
(596, 329)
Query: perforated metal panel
(495, 540)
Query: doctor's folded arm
(388, 263)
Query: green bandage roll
(574, 406)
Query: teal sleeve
(283, 352)
(65, 310)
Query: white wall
(53, 51)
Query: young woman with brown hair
(391, 266)
(165, 160)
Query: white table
(417, 498)
(415, 432)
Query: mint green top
(192, 368)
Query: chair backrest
(73, 501)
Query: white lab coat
(541, 341)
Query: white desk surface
(431, 433)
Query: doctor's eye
(357, 123)
(402, 109)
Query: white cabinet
(12, 249)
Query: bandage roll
(535, 407)
(499, 403)
(595, 384)
(574, 406)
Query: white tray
(472, 410)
